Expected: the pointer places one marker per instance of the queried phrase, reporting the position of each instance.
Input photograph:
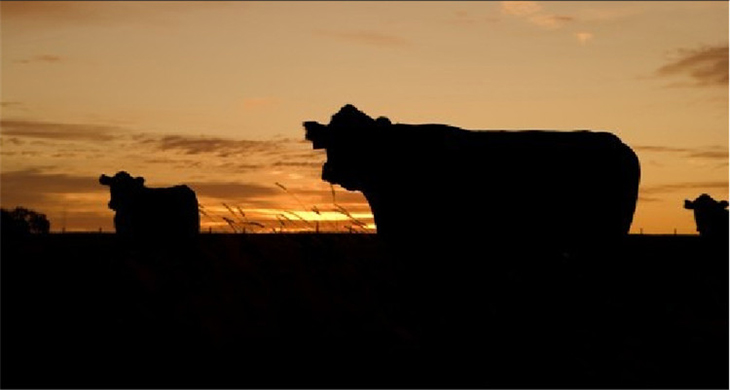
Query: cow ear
(688, 204)
(349, 116)
(139, 180)
(105, 180)
(383, 121)
(723, 204)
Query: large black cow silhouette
(711, 217)
(150, 214)
(561, 188)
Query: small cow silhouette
(151, 214)
(711, 216)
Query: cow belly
(550, 202)
(457, 216)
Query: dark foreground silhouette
(22, 221)
(464, 210)
(294, 311)
(494, 304)
(548, 189)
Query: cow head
(123, 188)
(705, 202)
(710, 215)
(350, 139)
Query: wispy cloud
(532, 11)
(11, 140)
(34, 186)
(25, 138)
(612, 11)
(234, 156)
(700, 186)
(173, 163)
(646, 199)
(36, 183)
(52, 14)
(11, 104)
(185, 144)
(61, 10)
(466, 18)
(372, 38)
(43, 58)
(221, 147)
(550, 21)
(710, 152)
(84, 201)
(297, 164)
(707, 66)
(232, 190)
(58, 131)
(351, 198)
(36, 180)
(521, 8)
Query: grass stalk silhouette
(287, 220)
(313, 227)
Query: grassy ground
(344, 310)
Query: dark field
(342, 310)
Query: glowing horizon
(213, 94)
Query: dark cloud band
(59, 131)
(713, 152)
(702, 186)
(707, 66)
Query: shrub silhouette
(23, 221)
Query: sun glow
(110, 86)
(262, 220)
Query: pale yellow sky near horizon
(213, 94)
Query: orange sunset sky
(213, 95)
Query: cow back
(160, 215)
(563, 188)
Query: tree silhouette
(22, 221)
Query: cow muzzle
(317, 133)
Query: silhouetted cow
(434, 182)
(150, 214)
(711, 216)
